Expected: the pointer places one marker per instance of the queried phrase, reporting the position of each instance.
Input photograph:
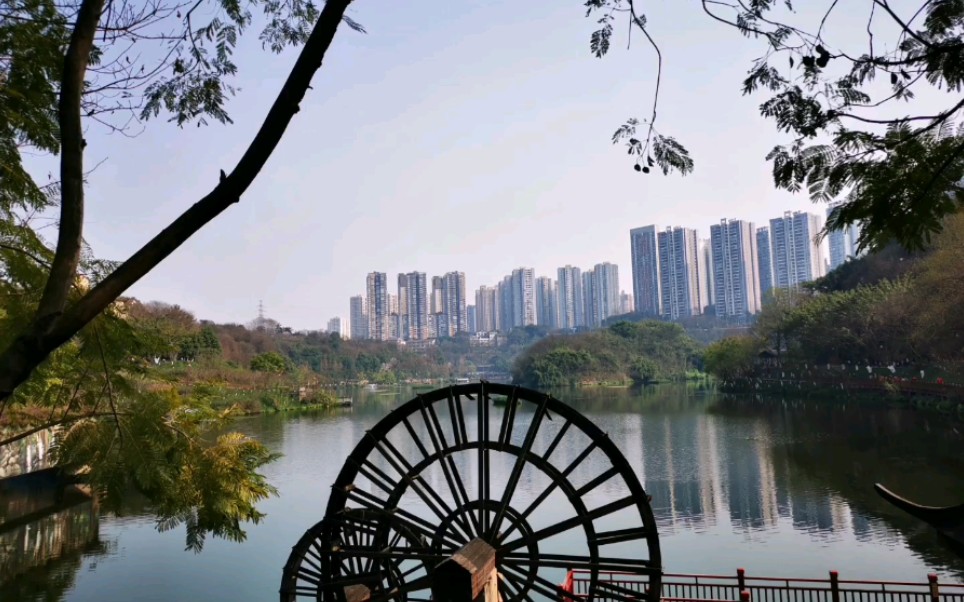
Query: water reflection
(777, 487)
(45, 533)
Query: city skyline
(537, 148)
(678, 272)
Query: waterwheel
(515, 468)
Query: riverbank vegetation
(891, 315)
(625, 352)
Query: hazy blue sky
(468, 135)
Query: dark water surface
(779, 488)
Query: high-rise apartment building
(453, 304)
(606, 290)
(334, 326)
(403, 297)
(523, 297)
(706, 275)
(735, 269)
(797, 255)
(843, 243)
(545, 302)
(486, 309)
(625, 303)
(588, 300)
(416, 305)
(378, 310)
(504, 301)
(435, 308)
(471, 319)
(394, 322)
(764, 261)
(679, 277)
(569, 292)
(358, 317)
(645, 270)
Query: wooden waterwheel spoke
(570, 561)
(483, 438)
(521, 591)
(388, 554)
(449, 470)
(433, 501)
(521, 459)
(398, 592)
(402, 518)
(612, 591)
(569, 523)
(539, 583)
(413, 435)
(552, 486)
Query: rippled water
(778, 488)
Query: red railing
(677, 587)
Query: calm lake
(779, 488)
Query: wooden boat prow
(948, 520)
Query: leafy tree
(271, 362)
(66, 345)
(643, 370)
(65, 66)
(731, 358)
(841, 101)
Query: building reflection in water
(45, 534)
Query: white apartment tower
(485, 309)
(416, 305)
(797, 254)
(843, 243)
(358, 317)
(764, 259)
(545, 302)
(645, 267)
(523, 297)
(605, 290)
(679, 273)
(589, 307)
(706, 275)
(569, 291)
(735, 269)
(453, 303)
(378, 310)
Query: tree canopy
(72, 356)
(858, 133)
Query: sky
(467, 136)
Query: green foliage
(731, 358)
(271, 362)
(897, 173)
(642, 352)
(155, 447)
(643, 370)
(861, 317)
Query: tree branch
(29, 349)
(24, 252)
(63, 269)
(883, 4)
(48, 425)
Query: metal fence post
(834, 586)
(741, 580)
(744, 596)
(932, 582)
